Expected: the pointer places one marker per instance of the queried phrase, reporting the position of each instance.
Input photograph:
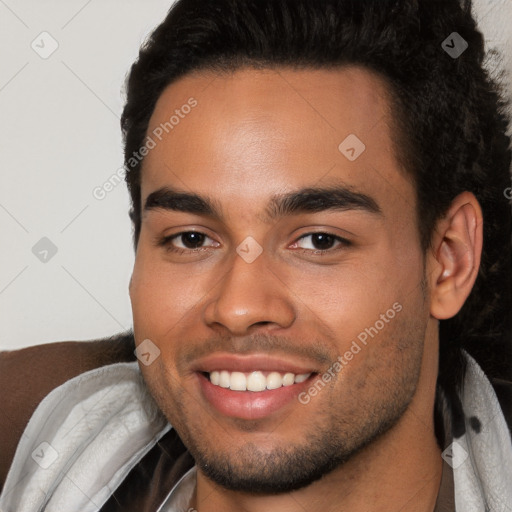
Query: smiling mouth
(254, 381)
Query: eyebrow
(307, 200)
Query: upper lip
(249, 363)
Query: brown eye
(321, 242)
(192, 240)
(187, 241)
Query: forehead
(255, 132)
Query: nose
(249, 296)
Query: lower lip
(249, 405)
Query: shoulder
(29, 374)
(503, 390)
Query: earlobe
(458, 252)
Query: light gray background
(60, 139)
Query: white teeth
(255, 381)
(225, 379)
(288, 379)
(274, 380)
(238, 381)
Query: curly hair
(450, 116)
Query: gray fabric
(178, 499)
(82, 441)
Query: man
(323, 256)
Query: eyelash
(167, 243)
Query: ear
(455, 260)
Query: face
(278, 271)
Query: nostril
(261, 323)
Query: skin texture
(255, 134)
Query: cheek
(353, 293)
(365, 302)
(162, 294)
(145, 294)
(152, 304)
